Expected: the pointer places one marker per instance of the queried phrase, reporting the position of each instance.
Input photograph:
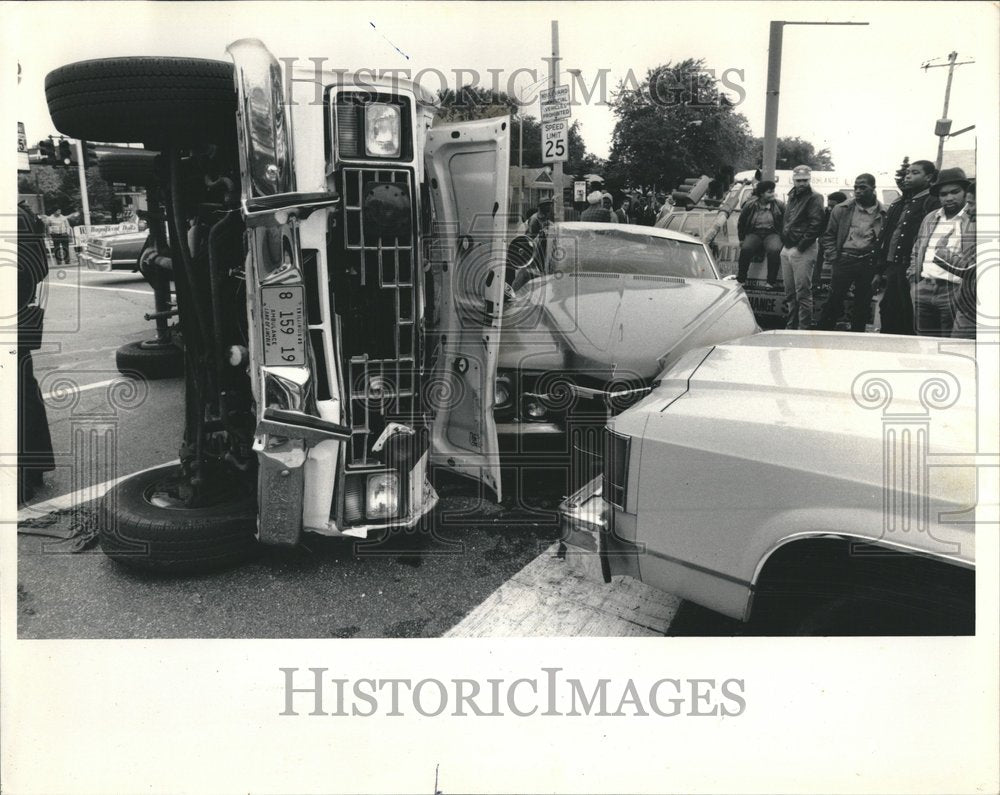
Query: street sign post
(22, 149)
(555, 142)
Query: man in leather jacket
(902, 223)
(802, 223)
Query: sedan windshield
(628, 253)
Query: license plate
(283, 325)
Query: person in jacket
(541, 219)
(595, 211)
(903, 219)
(34, 443)
(800, 231)
(835, 198)
(851, 244)
(944, 251)
(759, 231)
(59, 231)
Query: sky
(859, 91)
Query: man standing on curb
(850, 245)
(59, 231)
(944, 251)
(802, 224)
(903, 219)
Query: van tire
(150, 100)
(141, 535)
(150, 360)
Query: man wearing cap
(944, 252)
(850, 245)
(595, 211)
(903, 219)
(540, 219)
(800, 230)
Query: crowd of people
(920, 252)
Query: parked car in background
(807, 482)
(115, 252)
(596, 311)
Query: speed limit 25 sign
(555, 141)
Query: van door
(467, 167)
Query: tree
(674, 124)
(469, 103)
(794, 151)
(60, 187)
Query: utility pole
(943, 127)
(557, 167)
(773, 88)
(82, 173)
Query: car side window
(692, 224)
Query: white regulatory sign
(557, 94)
(555, 141)
(553, 111)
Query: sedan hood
(610, 325)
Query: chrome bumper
(583, 522)
(95, 263)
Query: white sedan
(815, 482)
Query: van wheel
(149, 100)
(145, 525)
(150, 359)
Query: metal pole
(952, 57)
(770, 157)
(557, 167)
(82, 173)
(520, 163)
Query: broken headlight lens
(383, 495)
(383, 130)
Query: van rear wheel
(150, 100)
(145, 524)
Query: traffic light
(65, 152)
(89, 153)
(691, 192)
(47, 149)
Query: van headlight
(501, 393)
(383, 495)
(383, 130)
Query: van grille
(383, 346)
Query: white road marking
(551, 598)
(86, 494)
(83, 388)
(95, 287)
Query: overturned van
(338, 269)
